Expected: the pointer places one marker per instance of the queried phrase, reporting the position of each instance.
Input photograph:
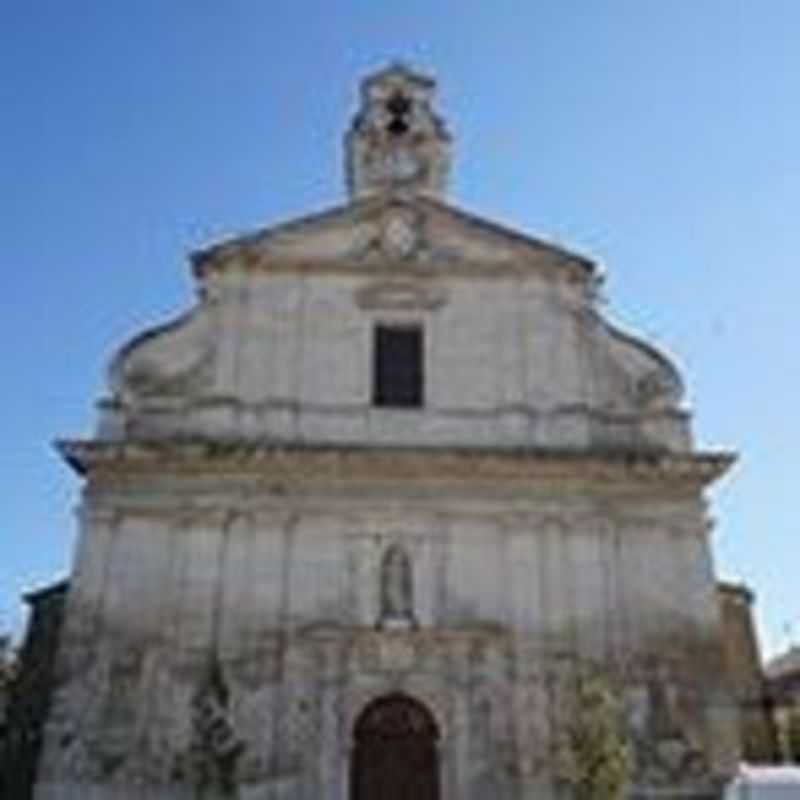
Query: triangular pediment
(419, 232)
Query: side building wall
(31, 691)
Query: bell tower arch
(397, 143)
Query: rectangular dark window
(398, 366)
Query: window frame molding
(406, 324)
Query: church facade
(362, 522)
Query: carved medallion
(400, 236)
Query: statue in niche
(397, 591)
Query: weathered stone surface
(264, 551)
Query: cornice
(434, 465)
(250, 260)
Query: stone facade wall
(509, 361)
(277, 590)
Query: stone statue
(397, 601)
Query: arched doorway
(395, 753)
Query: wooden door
(395, 755)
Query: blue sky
(661, 138)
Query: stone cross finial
(397, 143)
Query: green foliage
(7, 663)
(598, 755)
(793, 734)
(759, 745)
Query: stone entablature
(319, 463)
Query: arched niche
(396, 588)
